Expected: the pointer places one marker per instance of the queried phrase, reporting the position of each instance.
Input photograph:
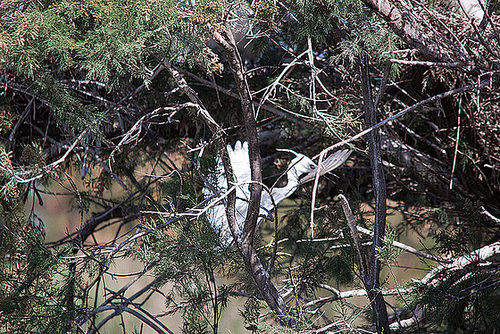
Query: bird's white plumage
(240, 162)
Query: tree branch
(371, 280)
(351, 222)
(245, 242)
(402, 21)
(405, 111)
(260, 104)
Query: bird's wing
(334, 160)
(216, 215)
(330, 163)
(240, 161)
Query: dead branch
(483, 255)
(405, 111)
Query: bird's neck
(292, 183)
(293, 179)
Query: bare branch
(353, 293)
(256, 104)
(405, 111)
(483, 254)
(407, 248)
(351, 222)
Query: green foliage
(300, 103)
(453, 241)
(462, 301)
(7, 119)
(33, 278)
(389, 253)
(348, 23)
(315, 20)
(33, 292)
(190, 254)
(111, 42)
(33, 155)
(251, 314)
(70, 66)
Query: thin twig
(270, 89)
(456, 143)
(383, 84)
(407, 248)
(353, 293)
(21, 120)
(256, 104)
(405, 111)
(426, 63)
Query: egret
(300, 170)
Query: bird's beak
(333, 161)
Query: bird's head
(300, 165)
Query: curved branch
(244, 242)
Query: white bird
(300, 166)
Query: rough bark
(402, 20)
(244, 240)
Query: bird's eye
(312, 166)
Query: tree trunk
(245, 239)
(371, 280)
